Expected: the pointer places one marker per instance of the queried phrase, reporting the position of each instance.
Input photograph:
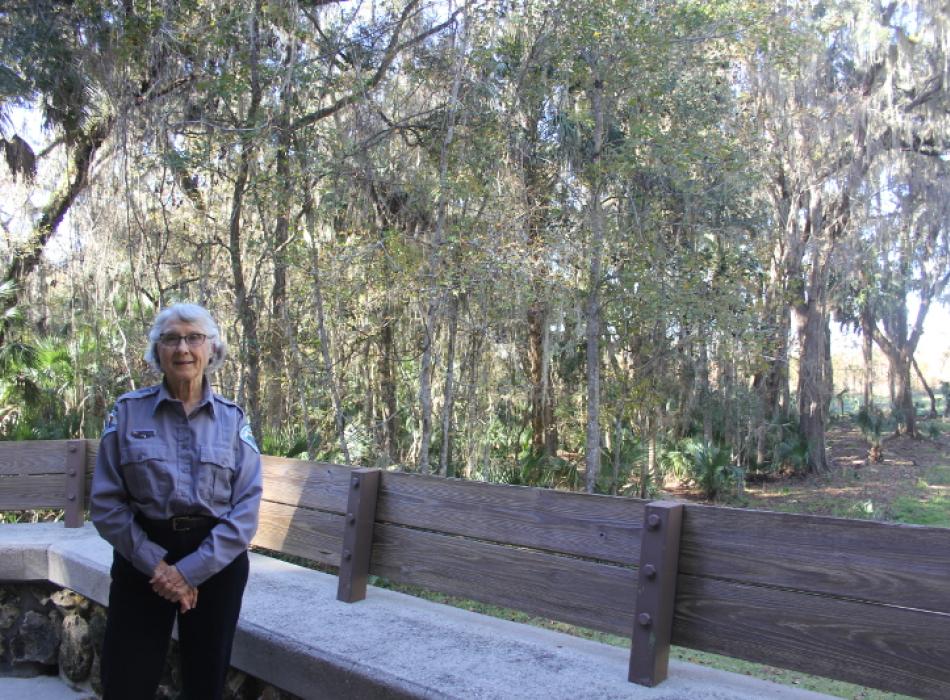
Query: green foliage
(872, 422)
(708, 466)
(632, 455)
(535, 470)
(285, 442)
(35, 380)
(791, 452)
(677, 460)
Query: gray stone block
(37, 640)
(75, 650)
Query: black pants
(139, 626)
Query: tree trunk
(689, 399)
(898, 341)
(618, 443)
(811, 384)
(339, 418)
(276, 358)
(387, 385)
(425, 384)
(648, 468)
(537, 313)
(702, 390)
(448, 404)
(471, 400)
(592, 307)
(930, 393)
(434, 270)
(898, 369)
(867, 353)
(250, 346)
(904, 397)
(547, 396)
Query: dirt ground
(910, 485)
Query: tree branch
(392, 50)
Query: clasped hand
(171, 585)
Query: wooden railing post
(75, 483)
(358, 535)
(656, 593)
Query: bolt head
(350, 518)
(649, 571)
(653, 521)
(71, 497)
(644, 619)
(347, 555)
(356, 483)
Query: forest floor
(910, 485)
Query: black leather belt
(182, 523)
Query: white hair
(195, 315)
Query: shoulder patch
(247, 437)
(111, 424)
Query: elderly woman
(176, 493)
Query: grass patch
(926, 509)
(830, 506)
(815, 684)
(938, 476)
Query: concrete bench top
(293, 633)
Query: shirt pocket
(145, 469)
(217, 474)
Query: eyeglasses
(171, 340)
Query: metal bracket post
(656, 593)
(75, 483)
(358, 535)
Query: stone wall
(45, 630)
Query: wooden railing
(858, 601)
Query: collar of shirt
(164, 395)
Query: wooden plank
(301, 532)
(30, 492)
(307, 484)
(33, 457)
(905, 565)
(598, 527)
(358, 535)
(585, 593)
(886, 647)
(656, 593)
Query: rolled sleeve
(112, 515)
(233, 534)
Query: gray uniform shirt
(155, 460)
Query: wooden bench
(858, 601)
